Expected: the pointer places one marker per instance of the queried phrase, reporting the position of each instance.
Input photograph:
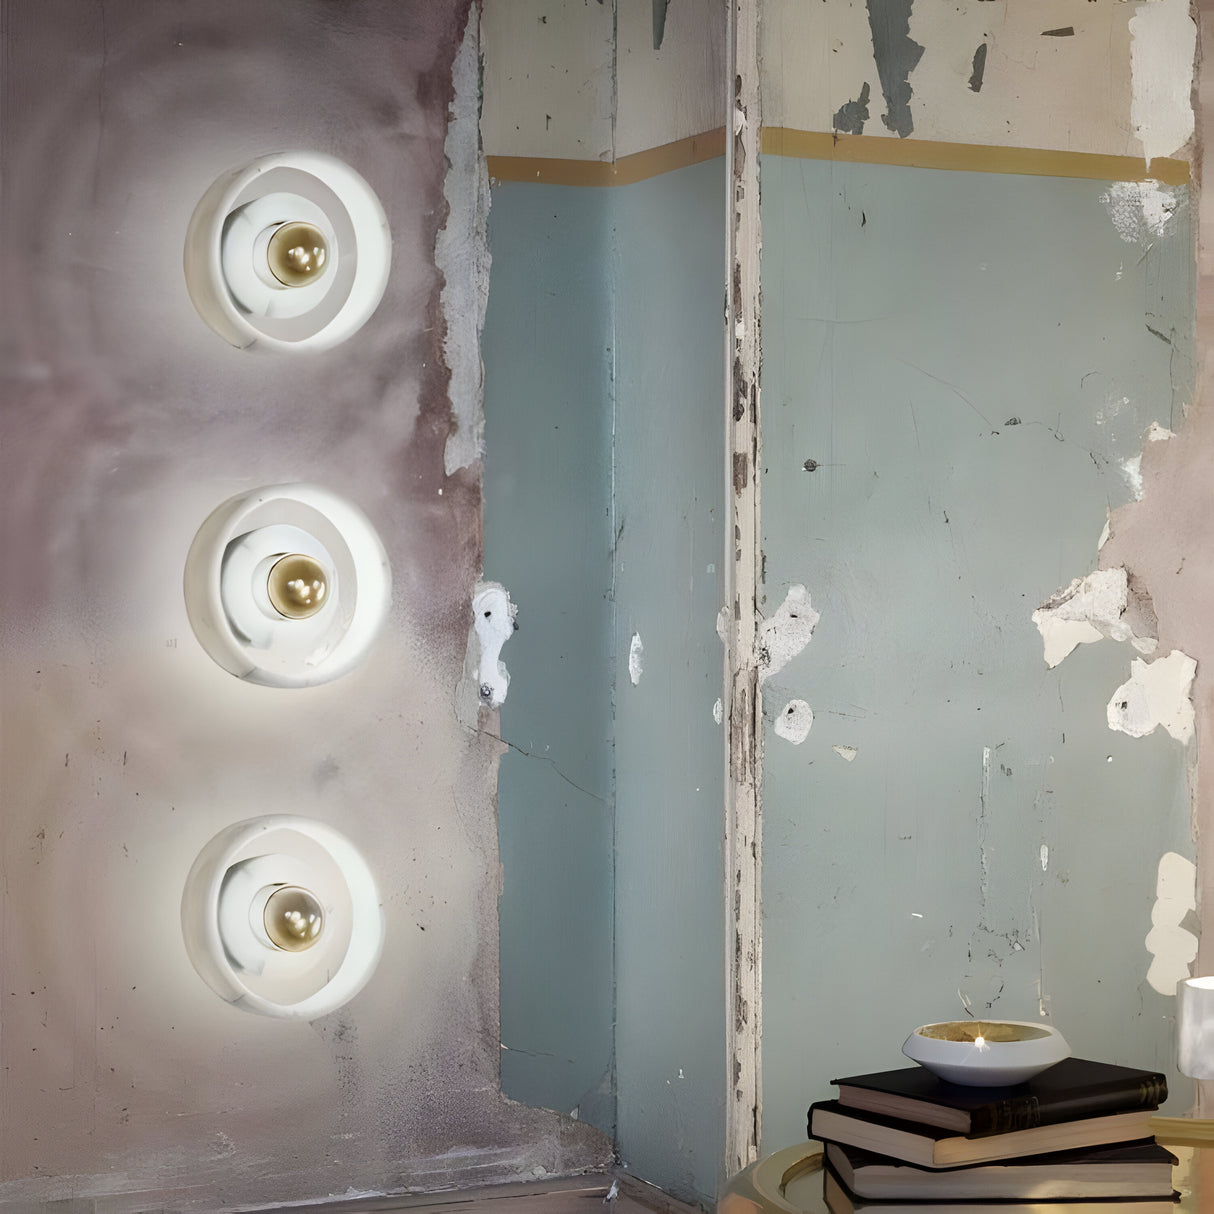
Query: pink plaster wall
(125, 421)
(1166, 540)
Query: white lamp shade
(226, 893)
(225, 260)
(227, 574)
(1195, 1027)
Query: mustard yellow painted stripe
(968, 157)
(854, 149)
(625, 171)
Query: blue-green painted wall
(967, 358)
(548, 356)
(669, 500)
(603, 504)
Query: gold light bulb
(297, 586)
(294, 918)
(297, 253)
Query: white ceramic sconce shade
(1195, 1027)
(235, 588)
(234, 265)
(228, 934)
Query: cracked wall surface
(957, 369)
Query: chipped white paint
(1131, 469)
(493, 622)
(1172, 946)
(723, 625)
(1159, 434)
(1045, 857)
(1163, 43)
(794, 721)
(846, 753)
(787, 632)
(1090, 609)
(636, 659)
(1157, 693)
(1141, 210)
(718, 711)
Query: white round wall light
(287, 586)
(289, 252)
(280, 916)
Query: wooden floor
(575, 1195)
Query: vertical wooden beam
(744, 742)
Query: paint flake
(794, 721)
(636, 659)
(718, 711)
(1090, 609)
(1162, 48)
(1157, 693)
(1171, 946)
(846, 753)
(787, 632)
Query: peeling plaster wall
(957, 367)
(125, 748)
(1070, 75)
(1165, 538)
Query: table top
(790, 1181)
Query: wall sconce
(280, 916)
(291, 251)
(1195, 1026)
(287, 586)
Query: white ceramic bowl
(986, 1053)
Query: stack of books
(1075, 1139)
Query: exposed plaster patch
(1045, 857)
(718, 711)
(897, 55)
(1157, 693)
(723, 625)
(494, 624)
(1172, 947)
(636, 659)
(787, 632)
(461, 251)
(794, 721)
(846, 753)
(1159, 434)
(1092, 608)
(1164, 41)
(1141, 210)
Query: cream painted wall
(575, 79)
(1117, 83)
(582, 81)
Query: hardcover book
(934, 1147)
(840, 1201)
(1132, 1169)
(1073, 1088)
